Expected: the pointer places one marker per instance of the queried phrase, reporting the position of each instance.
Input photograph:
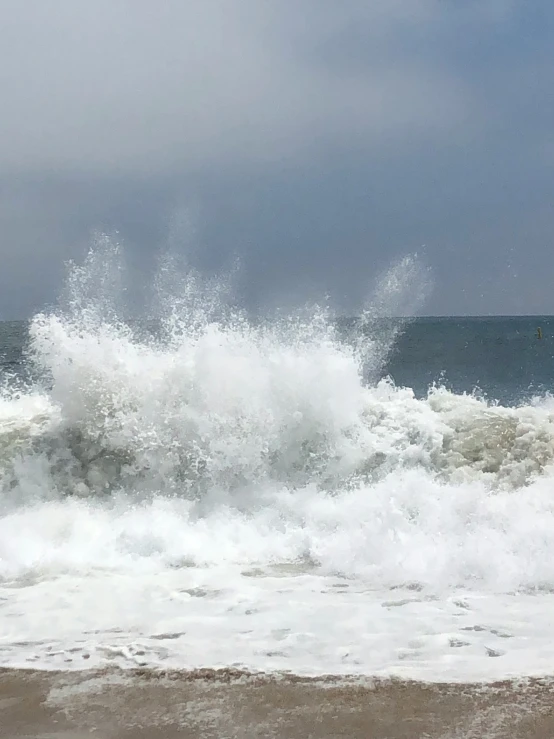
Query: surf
(280, 440)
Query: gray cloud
(126, 85)
(320, 139)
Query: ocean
(265, 527)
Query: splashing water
(211, 405)
(217, 456)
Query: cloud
(142, 87)
(319, 139)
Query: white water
(228, 494)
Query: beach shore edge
(151, 704)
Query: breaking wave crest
(215, 439)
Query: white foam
(245, 492)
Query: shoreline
(154, 704)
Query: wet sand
(232, 705)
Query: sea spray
(212, 402)
(203, 490)
(214, 439)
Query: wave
(275, 440)
(236, 407)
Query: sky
(318, 140)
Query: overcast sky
(318, 139)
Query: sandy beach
(207, 703)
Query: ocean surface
(304, 495)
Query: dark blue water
(500, 357)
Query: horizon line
(352, 316)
